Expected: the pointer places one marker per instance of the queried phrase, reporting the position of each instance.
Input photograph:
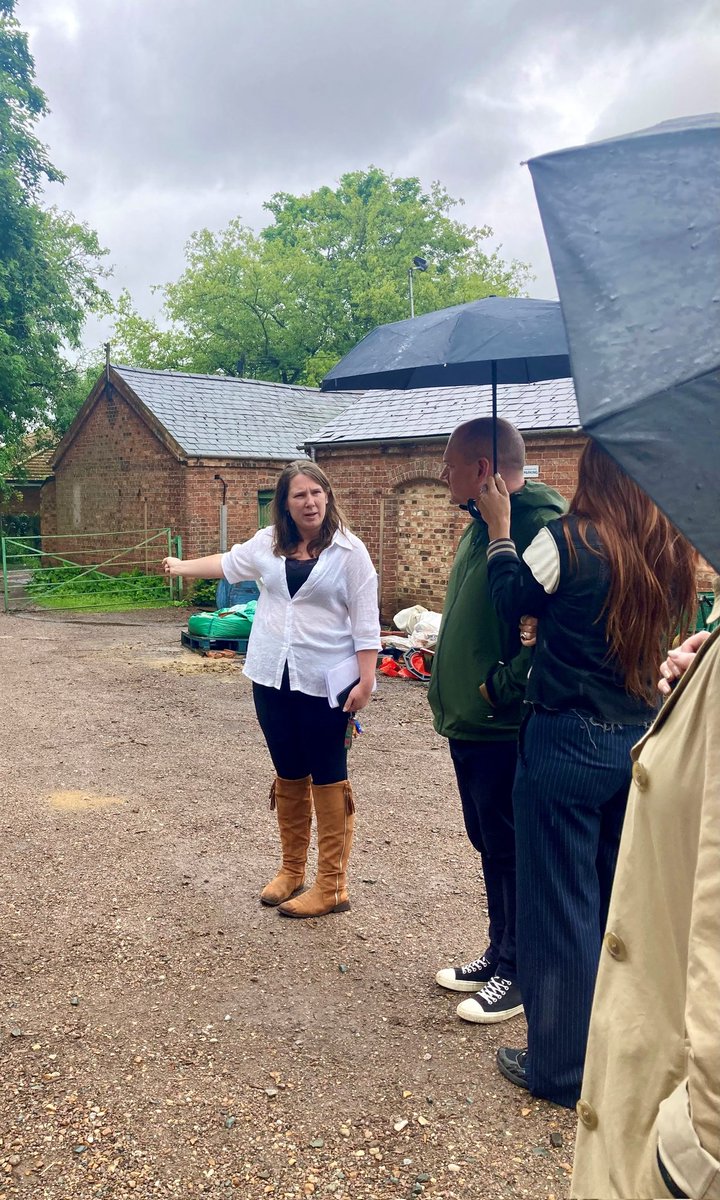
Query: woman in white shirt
(318, 606)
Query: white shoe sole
(446, 978)
(470, 1010)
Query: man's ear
(484, 470)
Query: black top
(297, 570)
(572, 667)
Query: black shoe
(499, 1000)
(468, 977)
(511, 1064)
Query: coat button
(641, 777)
(587, 1114)
(615, 946)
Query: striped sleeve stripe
(501, 546)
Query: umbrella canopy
(633, 228)
(499, 339)
(457, 346)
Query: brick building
(383, 454)
(146, 448)
(20, 512)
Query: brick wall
(426, 532)
(394, 501)
(48, 512)
(116, 475)
(203, 497)
(23, 500)
(557, 459)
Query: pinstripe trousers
(569, 802)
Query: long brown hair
(652, 593)
(286, 537)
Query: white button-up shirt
(333, 615)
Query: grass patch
(76, 588)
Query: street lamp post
(419, 264)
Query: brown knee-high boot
(293, 800)
(335, 812)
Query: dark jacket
(572, 668)
(475, 646)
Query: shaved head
(473, 440)
(467, 461)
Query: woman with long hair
(318, 608)
(610, 583)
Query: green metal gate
(102, 572)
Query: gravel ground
(164, 1035)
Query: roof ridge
(221, 415)
(304, 387)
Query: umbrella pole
(494, 415)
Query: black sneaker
(499, 1000)
(513, 1065)
(467, 977)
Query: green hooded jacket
(474, 646)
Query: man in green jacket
(476, 695)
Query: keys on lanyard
(353, 729)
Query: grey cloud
(170, 115)
(224, 88)
(680, 80)
(173, 89)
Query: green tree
(139, 341)
(288, 302)
(49, 263)
(77, 383)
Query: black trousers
(304, 735)
(485, 774)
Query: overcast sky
(169, 116)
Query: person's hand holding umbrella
(493, 504)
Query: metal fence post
(5, 575)
(170, 580)
(178, 554)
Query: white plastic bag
(407, 618)
(425, 633)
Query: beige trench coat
(652, 1072)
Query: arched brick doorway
(423, 520)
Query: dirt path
(164, 1035)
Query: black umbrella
(500, 339)
(633, 227)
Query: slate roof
(434, 412)
(216, 416)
